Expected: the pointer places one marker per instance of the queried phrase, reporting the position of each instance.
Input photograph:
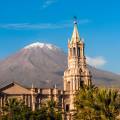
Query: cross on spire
(75, 20)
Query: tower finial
(75, 20)
(75, 36)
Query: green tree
(15, 110)
(48, 111)
(108, 101)
(96, 104)
(39, 114)
(54, 112)
(84, 103)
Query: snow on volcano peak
(41, 45)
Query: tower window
(74, 51)
(70, 51)
(81, 83)
(78, 52)
(68, 86)
(67, 107)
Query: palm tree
(108, 102)
(48, 111)
(54, 112)
(11, 107)
(84, 102)
(96, 104)
(15, 109)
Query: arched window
(74, 51)
(68, 86)
(67, 107)
(81, 83)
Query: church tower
(77, 73)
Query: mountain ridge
(44, 64)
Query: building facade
(75, 76)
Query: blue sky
(23, 22)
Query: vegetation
(91, 104)
(97, 104)
(17, 110)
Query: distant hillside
(44, 64)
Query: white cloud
(118, 73)
(30, 26)
(47, 3)
(19, 26)
(27, 26)
(96, 61)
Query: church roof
(3, 86)
(8, 84)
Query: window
(81, 83)
(78, 52)
(68, 86)
(74, 51)
(67, 107)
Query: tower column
(33, 98)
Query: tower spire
(75, 36)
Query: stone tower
(77, 72)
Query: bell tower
(77, 73)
